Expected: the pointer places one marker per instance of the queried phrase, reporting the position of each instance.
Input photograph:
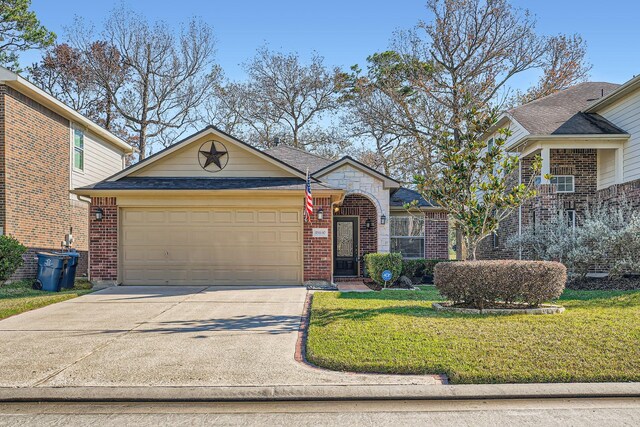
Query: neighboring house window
(571, 218)
(78, 149)
(407, 235)
(563, 183)
(496, 240)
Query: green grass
(18, 297)
(596, 339)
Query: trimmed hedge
(482, 284)
(376, 263)
(420, 270)
(11, 252)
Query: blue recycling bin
(69, 273)
(50, 270)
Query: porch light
(99, 214)
(336, 210)
(368, 224)
(320, 214)
(383, 219)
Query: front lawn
(18, 297)
(597, 338)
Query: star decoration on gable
(213, 153)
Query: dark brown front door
(345, 246)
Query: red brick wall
(36, 162)
(362, 207)
(103, 240)
(317, 250)
(3, 201)
(436, 235)
(582, 163)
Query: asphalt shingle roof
(298, 158)
(406, 195)
(149, 183)
(561, 113)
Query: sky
(345, 32)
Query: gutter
(584, 137)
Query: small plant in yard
(379, 262)
(11, 252)
(489, 284)
(419, 269)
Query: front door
(345, 246)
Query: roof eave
(27, 88)
(529, 138)
(620, 92)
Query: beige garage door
(201, 246)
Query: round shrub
(11, 251)
(376, 263)
(483, 284)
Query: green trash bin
(50, 270)
(69, 273)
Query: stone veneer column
(354, 181)
(103, 241)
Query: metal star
(213, 156)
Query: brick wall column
(436, 244)
(317, 250)
(103, 241)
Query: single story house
(213, 210)
(46, 150)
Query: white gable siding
(517, 133)
(355, 181)
(625, 114)
(101, 160)
(184, 162)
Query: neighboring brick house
(47, 149)
(589, 139)
(213, 210)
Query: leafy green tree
(475, 182)
(20, 30)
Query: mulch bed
(626, 283)
(375, 287)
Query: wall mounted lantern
(368, 224)
(320, 214)
(99, 214)
(383, 219)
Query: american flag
(308, 199)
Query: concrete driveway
(167, 336)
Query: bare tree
(564, 65)
(282, 98)
(63, 73)
(168, 76)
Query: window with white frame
(570, 216)
(407, 235)
(563, 183)
(78, 149)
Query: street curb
(320, 392)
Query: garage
(209, 210)
(211, 246)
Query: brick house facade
(588, 138)
(36, 176)
(169, 220)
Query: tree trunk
(459, 244)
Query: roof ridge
(300, 150)
(560, 92)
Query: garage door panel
(183, 246)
